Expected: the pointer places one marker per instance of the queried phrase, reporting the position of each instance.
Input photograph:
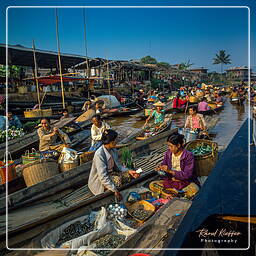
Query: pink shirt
(195, 122)
(203, 106)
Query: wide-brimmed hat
(159, 104)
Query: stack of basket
(37, 113)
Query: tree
(221, 59)
(163, 64)
(185, 65)
(148, 60)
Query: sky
(171, 35)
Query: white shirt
(96, 132)
(176, 162)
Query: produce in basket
(11, 133)
(107, 241)
(140, 213)
(201, 150)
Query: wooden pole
(108, 78)
(35, 75)
(86, 53)
(60, 68)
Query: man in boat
(158, 114)
(195, 121)
(97, 130)
(48, 136)
(65, 114)
(177, 168)
(87, 105)
(234, 95)
(105, 162)
(13, 120)
(178, 103)
(203, 105)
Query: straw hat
(159, 104)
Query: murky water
(224, 124)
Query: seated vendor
(97, 130)
(104, 162)
(179, 103)
(13, 121)
(178, 165)
(203, 105)
(234, 94)
(65, 114)
(195, 121)
(158, 114)
(48, 135)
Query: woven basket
(66, 167)
(33, 113)
(39, 171)
(30, 157)
(47, 112)
(205, 163)
(86, 157)
(193, 99)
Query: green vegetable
(126, 156)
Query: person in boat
(178, 103)
(219, 99)
(13, 120)
(104, 162)
(97, 130)
(178, 166)
(195, 121)
(234, 95)
(48, 135)
(203, 105)
(158, 114)
(99, 107)
(87, 105)
(70, 107)
(65, 114)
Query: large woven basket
(39, 171)
(66, 167)
(47, 112)
(205, 163)
(33, 113)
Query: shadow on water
(228, 122)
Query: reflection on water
(229, 120)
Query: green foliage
(148, 60)
(185, 65)
(13, 71)
(222, 58)
(126, 156)
(11, 133)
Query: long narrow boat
(146, 155)
(212, 111)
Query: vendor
(65, 114)
(179, 165)
(99, 106)
(178, 103)
(195, 121)
(86, 105)
(158, 114)
(104, 162)
(13, 121)
(234, 94)
(97, 130)
(203, 105)
(48, 135)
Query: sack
(10, 173)
(68, 156)
(30, 157)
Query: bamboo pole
(60, 68)
(35, 73)
(108, 78)
(86, 53)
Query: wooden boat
(140, 135)
(239, 101)
(67, 180)
(123, 112)
(212, 111)
(17, 146)
(146, 155)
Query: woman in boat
(104, 162)
(195, 121)
(97, 130)
(203, 105)
(65, 114)
(13, 120)
(158, 114)
(178, 166)
(178, 103)
(48, 136)
(234, 95)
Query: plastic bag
(68, 156)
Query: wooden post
(60, 68)
(35, 75)
(108, 79)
